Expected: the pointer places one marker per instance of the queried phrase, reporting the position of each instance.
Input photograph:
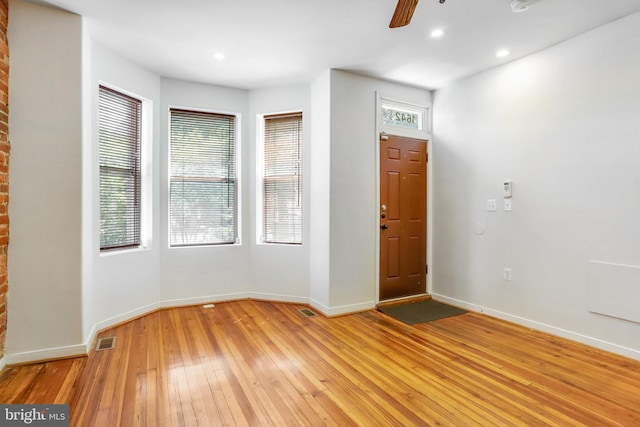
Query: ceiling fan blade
(404, 12)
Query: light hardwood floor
(262, 363)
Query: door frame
(424, 134)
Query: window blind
(119, 121)
(282, 180)
(203, 191)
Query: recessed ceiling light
(502, 53)
(436, 34)
(219, 56)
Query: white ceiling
(281, 42)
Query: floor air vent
(308, 312)
(106, 343)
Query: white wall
(354, 176)
(563, 125)
(279, 272)
(125, 283)
(45, 132)
(198, 274)
(320, 186)
(88, 197)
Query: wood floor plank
(257, 363)
(548, 372)
(51, 382)
(67, 390)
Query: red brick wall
(4, 168)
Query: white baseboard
(182, 302)
(319, 306)
(132, 314)
(123, 317)
(85, 348)
(92, 336)
(278, 298)
(46, 354)
(574, 336)
(341, 310)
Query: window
(119, 130)
(282, 179)
(403, 119)
(203, 193)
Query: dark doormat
(420, 312)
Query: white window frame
(146, 162)
(422, 111)
(238, 177)
(260, 158)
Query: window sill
(284, 245)
(123, 251)
(213, 245)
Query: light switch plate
(492, 205)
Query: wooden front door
(403, 217)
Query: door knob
(384, 226)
